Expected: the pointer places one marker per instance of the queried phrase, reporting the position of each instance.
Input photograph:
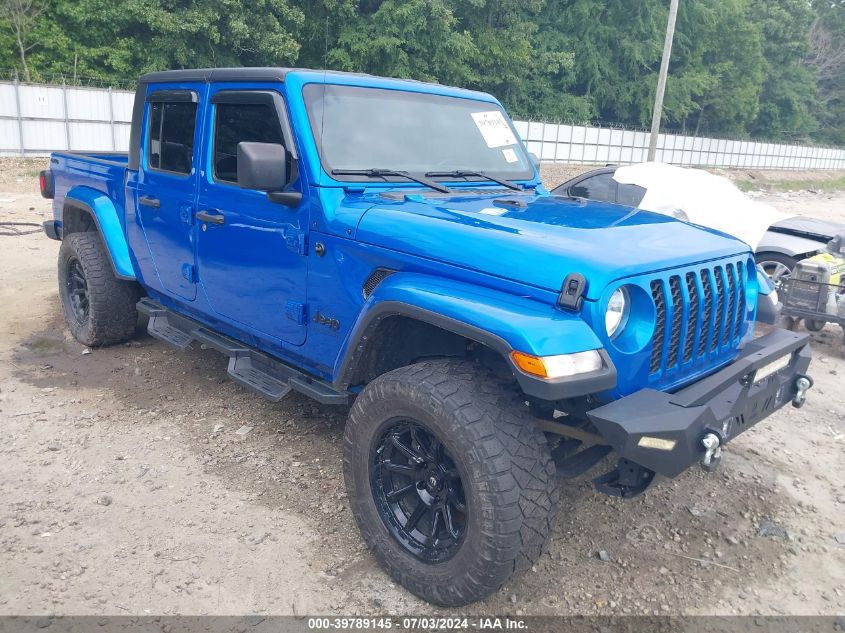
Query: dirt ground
(140, 480)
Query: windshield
(373, 128)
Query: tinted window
(630, 195)
(601, 187)
(239, 122)
(171, 135)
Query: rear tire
(99, 308)
(459, 419)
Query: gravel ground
(136, 480)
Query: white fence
(37, 119)
(601, 145)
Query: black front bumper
(725, 404)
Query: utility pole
(657, 113)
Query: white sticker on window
(494, 128)
(494, 211)
(509, 155)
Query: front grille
(677, 311)
(708, 310)
(731, 319)
(699, 315)
(689, 340)
(659, 325)
(740, 306)
(720, 308)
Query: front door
(167, 186)
(250, 251)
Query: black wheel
(418, 491)
(814, 326)
(788, 323)
(777, 266)
(451, 484)
(99, 308)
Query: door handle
(211, 216)
(149, 201)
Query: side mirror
(535, 160)
(264, 166)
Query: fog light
(657, 443)
(772, 368)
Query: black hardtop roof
(256, 73)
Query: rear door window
(171, 136)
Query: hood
(809, 227)
(538, 240)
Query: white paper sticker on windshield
(509, 155)
(493, 211)
(494, 128)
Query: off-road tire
(813, 325)
(505, 465)
(111, 316)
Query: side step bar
(247, 366)
(576, 465)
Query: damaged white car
(779, 241)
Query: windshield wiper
(466, 173)
(380, 173)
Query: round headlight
(617, 311)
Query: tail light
(45, 181)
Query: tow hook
(712, 452)
(802, 386)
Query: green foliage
(789, 92)
(827, 62)
(715, 73)
(721, 74)
(108, 39)
(767, 68)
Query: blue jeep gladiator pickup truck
(388, 245)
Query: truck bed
(101, 171)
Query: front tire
(99, 308)
(453, 487)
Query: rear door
(167, 185)
(251, 256)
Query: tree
(787, 101)
(826, 60)
(22, 16)
(108, 39)
(716, 88)
(482, 44)
(616, 47)
(769, 68)
(715, 72)
(414, 39)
